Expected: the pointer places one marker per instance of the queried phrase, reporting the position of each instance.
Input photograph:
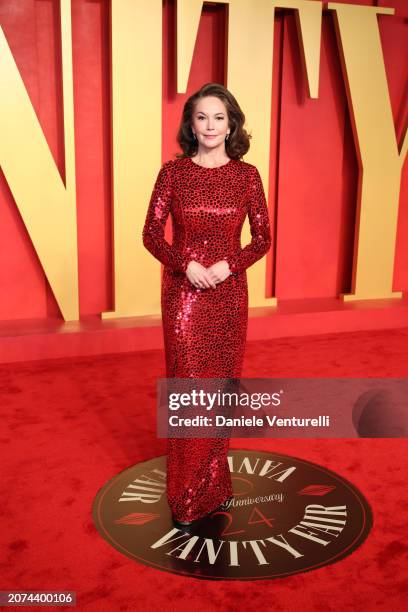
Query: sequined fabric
(204, 329)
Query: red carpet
(69, 425)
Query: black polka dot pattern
(204, 328)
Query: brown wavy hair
(237, 143)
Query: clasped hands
(204, 278)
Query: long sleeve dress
(204, 328)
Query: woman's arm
(260, 228)
(157, 213)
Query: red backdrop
(313, 165)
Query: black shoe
(182, 523)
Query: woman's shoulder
(175, 161)
(168, 165)
(248, 167)
(172, 165)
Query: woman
(208, 191)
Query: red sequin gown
(204, 329)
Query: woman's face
(210, 122)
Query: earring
(195, 137)
(227, 136)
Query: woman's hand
(199, 276)
(219, 271)
(207, 277)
